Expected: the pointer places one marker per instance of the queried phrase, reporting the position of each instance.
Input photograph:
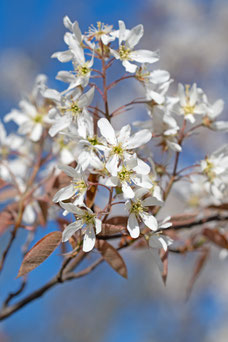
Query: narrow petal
(138, 139)
(89, 239)
(107, 131)
(129, 67)
(127, 191)
(98, 225)
(71, 229)
(112, 164)
(64, 193)
(60, 125)
(36, 133)
(133, 226)
(134, 36)
(144, 56)
(149, 220)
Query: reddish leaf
(91, 193)
(223, 206)
(8, 193)
(40, 252)
(215, 236)
(5, 221)
(43, 212)
(118, 220)
(164, 259)
(200, 262)
(113, 258)
(111, 229)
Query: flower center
(82, 70)
(38, 118)
(79, 185)
(74, 109)
(125, 175)
(118, 149)
(93, 141)
(124, 53)
(88, 218)
(137, 207)
(208, 171)
(188, 109)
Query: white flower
(212, 111)
(118, 148)
(70, 108)
(215, 168)
(158, 241)
(32, 116)
(101, 32)
(8, 143)
(190, 102)
(76, 189)
(137, 208)
(85, 220)
(127, 41)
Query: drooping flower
(139, 211)
(126, 53)
(85, 220)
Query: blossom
(85, 220)
(76, 189)
(158, 241)
(70, 108)
(127, 41)
(211, 113)
(101, 32)
(139, 211)
(32, 117)
(118, 147)
(190, 102)
(215, 169)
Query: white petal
(138, 139)
(60, 125)
(98, 225)
(133, 226)
(36, 133)
(134, 36)
(70, 230)
(144, 56)
(107, 131)
(149, 220)
(64, 193)
(89, 239)
(129, 67)
(63, 56)
(112, 164)
(127, 190)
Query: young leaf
(113, 258)
(111, 229)
(200, 262)
(40, 252)
(91, 193)
(215, 236)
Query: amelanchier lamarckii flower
(76, 189)
(85, 220)
(70, 108)
(32, 117)
(119, 146)
(126, 53)
(139, 211)
(190, 103)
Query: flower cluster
(69, 130)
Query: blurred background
(192, 38)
